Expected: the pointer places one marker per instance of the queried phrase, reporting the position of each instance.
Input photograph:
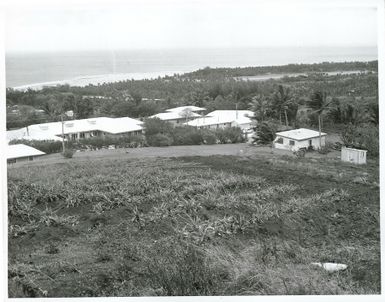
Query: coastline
(81, 68)
(83, 81)
(113, 78)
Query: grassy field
(242, 224)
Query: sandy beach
(265, 77)
(98, 79)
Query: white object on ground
(331, 267)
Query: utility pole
(62, 132)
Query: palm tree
(319, 103)
(261, 106)
(54, 109)
(282, 100)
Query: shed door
(351, 156)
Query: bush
(209, 137)
(300, 153)
(234, 135)
(186, 135)
(362, 137)
(155, 125)
(265, 133)
(68, 153)
(124, 141)
(159, 140)
(180, 269)
(230, 135)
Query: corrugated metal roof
(300, 134)
(223, 117)
(50, 131)
(192, 108)
(174, 115)
(20, 150)
(231, 113)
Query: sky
(189, 24)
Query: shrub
(68, 153)
(180, 269)
(325, 149)
(265, 133)
(159, 140)
(234, 135)
(209, 137)
(300, 153)
(348, 135)
(362, 137)
(220, 134)
(52, 249)
(155, 125)
(137, 141)
(126, 141)
(186, 135)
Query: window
(279, 140)
(82, 135)
(310, 142)
(30, 158)
(291, 143)
(74, 136)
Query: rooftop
(191, 108)
(20, 150)
(51, 131)
(223, 117)
(231, 113)
(174, 115)
(300, 134)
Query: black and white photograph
(192, 148)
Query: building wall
(242, 126)
(215, 126)
(180, 121)
(21, 159)
(355, 156)
(315, 142)
(90, 134)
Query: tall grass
(168, 227)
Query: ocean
(81, 68)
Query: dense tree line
(290, 68)
(143, 98)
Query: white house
(355, 156)
(299, 138)
(225, 118)
(20, 153)
(179, 115)
(78, 129)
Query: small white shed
(299, 138)
(355, 156)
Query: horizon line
(183, 48)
